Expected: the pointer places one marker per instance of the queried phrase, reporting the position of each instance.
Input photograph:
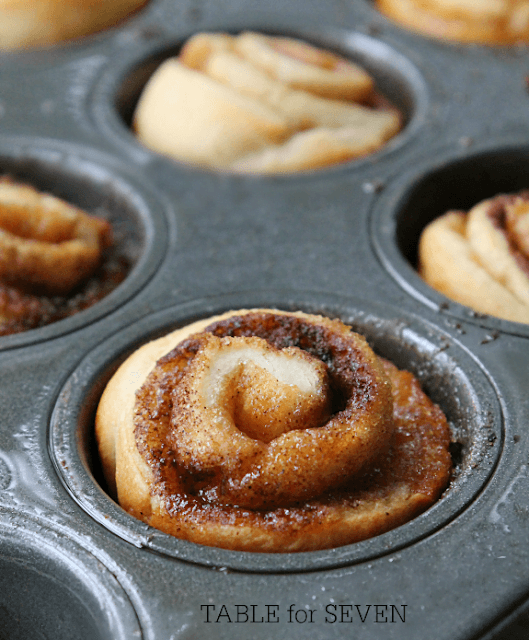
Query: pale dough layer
(470, 260)
(39, 23)
(259, 104)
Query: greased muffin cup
(340, 242)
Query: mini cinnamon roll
(500, 22)
(25, 24)
(261, 104)
(45, 242)
(269, 431)
(481, 258)
(48, 250)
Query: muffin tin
(340, 241)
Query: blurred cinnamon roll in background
(481, 258)
(493, 22)
(260, 104)
(261, 430)
(39, 23)
(53, 258)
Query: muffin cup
(452, 183)
(53, 588)
(102, 187)
(448, 375)
(396, 77)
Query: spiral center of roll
(255, 420)
(266, 392)
(46, 244)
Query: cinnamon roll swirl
(261, 104)
(48, 250)
(39, 23)
(270, 431)
(499, 22)
(481, 258)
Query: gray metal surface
(340, 241)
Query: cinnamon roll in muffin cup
(55, 258)
(498, 22)
(261, 430)
(481, 258)
(260, 104)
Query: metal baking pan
(339, 241)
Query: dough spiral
(481, 258)
(55, 259)
(259, 104)
(46, 243)
(498, 22)
(269, 431)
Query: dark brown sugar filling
(30, 310)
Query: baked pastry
(39, 23)
(49, 250)
(261, 104)
(267, 431)
(483, 21)
(481, 258)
